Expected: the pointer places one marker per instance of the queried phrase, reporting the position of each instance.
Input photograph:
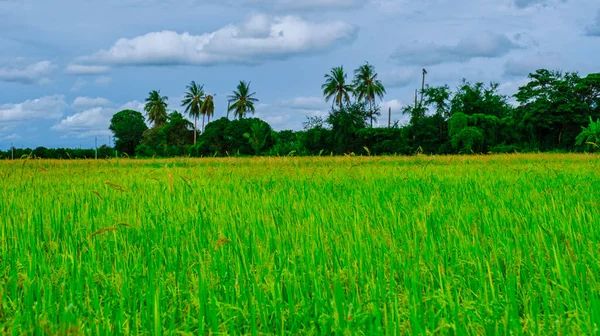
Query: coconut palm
(335, 87)
(367, 86)
(207, 108)
(242, 101)
(192, 101)
(156, 108)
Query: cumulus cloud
(27, 73)
(82, 102)
(86, 70)
(48, 107)
(93, 121)
(594, 28)
(484, 44)
(85, 120)
(528, 64)
(291, 113)
(258, 39)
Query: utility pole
(389, 117)
(423, 86)
(12, 151)
(228, 105)
(96, 144)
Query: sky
(66, 66)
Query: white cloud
(48, 107)
(396, 112)
(484, 44)
(291, 113)
(13, 136)
(260, 38)
(85, 120)
(133, 105)
(82, 102)
(27, 73)
(394, 104)
(93, 121)
(86, 70)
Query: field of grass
(353, 245)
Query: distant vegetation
(554, 111)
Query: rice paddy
(505, 244)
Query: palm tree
(156, 108)
(367, 86)
(207, 109)
(335, 87)
(242, 101)
(192, 102)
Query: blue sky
(67, 65)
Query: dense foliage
(554, 111)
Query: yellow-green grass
(459, 245)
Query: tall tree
(367, 86)
(336, 87)
(128, 128)
(207, 108)
(192, 101)
(156, 108)
(553, 107)
(242, 101)
(439, 97)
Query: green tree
(478, 99)
(368, 87)
(590, 135)
(169, 140)
(156, 108)
(257, 137)
(192, 101)
(207, 108)
(553, 107)
(439, 98)
(128, 128)
(336, 87)
(242, 100)
(345, 123)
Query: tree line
(554, 111)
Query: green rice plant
(504, 244)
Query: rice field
(506, 245)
